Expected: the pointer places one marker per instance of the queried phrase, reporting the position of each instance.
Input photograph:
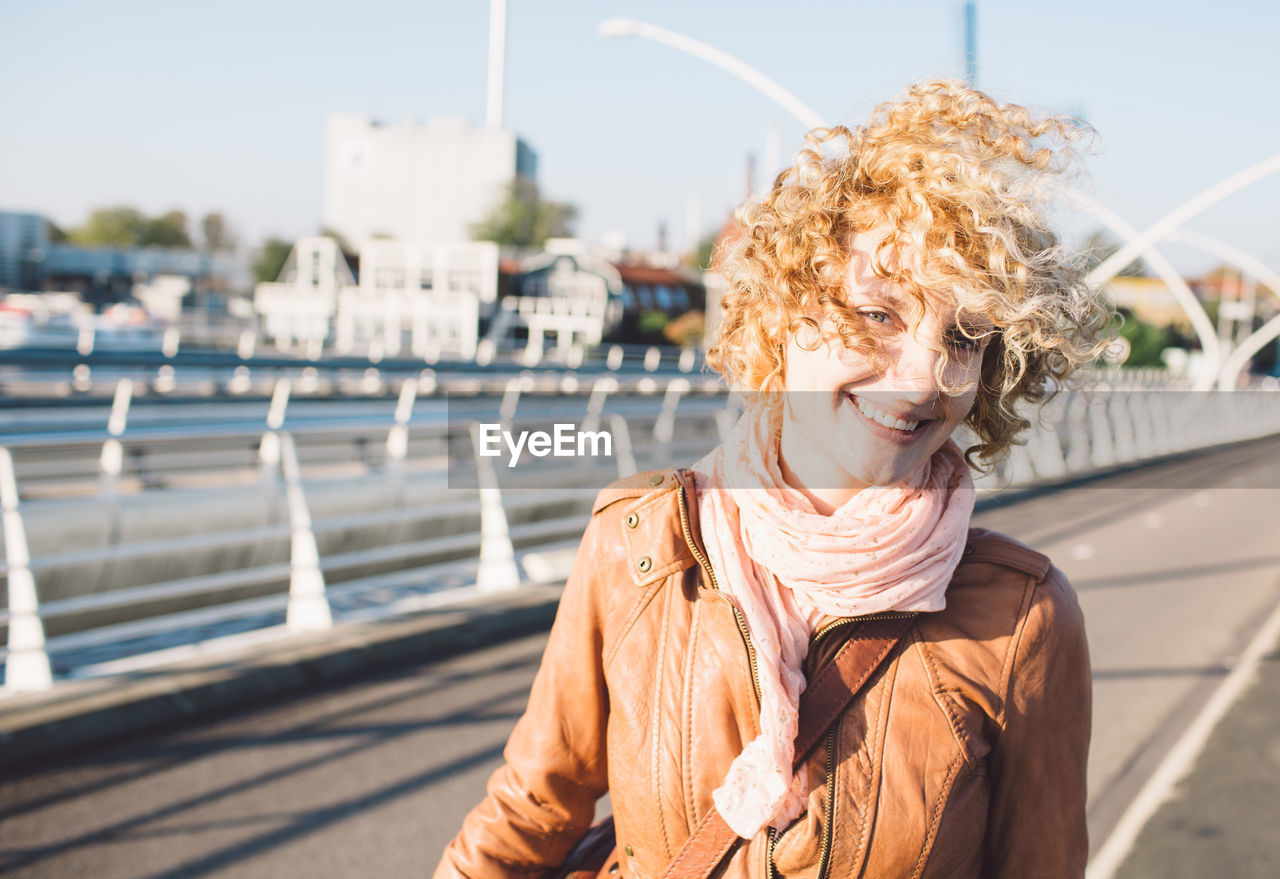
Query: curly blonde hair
(957, 180)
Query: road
(1176, 566)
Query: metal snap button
(613, 868)
(632, 520)
(630, 853)
(656, 479)
(644, 564)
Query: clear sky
(206, 106)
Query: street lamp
(630, 27)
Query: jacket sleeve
(1036, 822)
(543, 799)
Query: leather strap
(823, 700)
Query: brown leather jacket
(963, 757)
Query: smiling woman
(815, 577)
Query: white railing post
(269, 448)
(308, 608)
(248, 341)
(26, 668)
(1077, 423)
(665, 427)
(1122, 433)
(1102, 449)
(170, 340)
(688, 357)
(516, 385)
(398, 437)
(497, 571)
(600, 391)
(533, 350)
(84, 342)
(652, 359)
(613, 360)
(622, 445)
(111, 461)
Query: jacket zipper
(844, 621)
(711, 577)
(829, 816)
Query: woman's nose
(915, 366)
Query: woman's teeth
(882, 418)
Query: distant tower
(497, 60)
(970, 42)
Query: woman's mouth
(885, 424)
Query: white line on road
(1182, 756)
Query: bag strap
(824, 699)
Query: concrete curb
(83, 713)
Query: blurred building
(566, 294)
(23, 240)
(427, 298)
(171, 278)
(432, 300)
(416, 183)
(1150, 300)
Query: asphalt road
(1176, 566)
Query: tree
(167, 230)
(1099, 246)
(524, 219)
(126, 226)
(706, 249)
(1146, 341)
(215, 233)
(270, 259)
(117, 226)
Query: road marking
(1182, 756)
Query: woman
(899, 281)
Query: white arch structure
(1136, 243)
(1139, 245)
(1259, 271)
(1199, 318)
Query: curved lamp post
(629, 27)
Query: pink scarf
(787, 567)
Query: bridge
(284, 627)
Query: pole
(971, 43)
(497, 61)
(26, 669)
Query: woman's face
(845, 426)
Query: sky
(221, 106)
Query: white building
(427, 297)
(416, 183)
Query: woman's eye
(879, 317)
(963, 342)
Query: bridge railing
(213, 540)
